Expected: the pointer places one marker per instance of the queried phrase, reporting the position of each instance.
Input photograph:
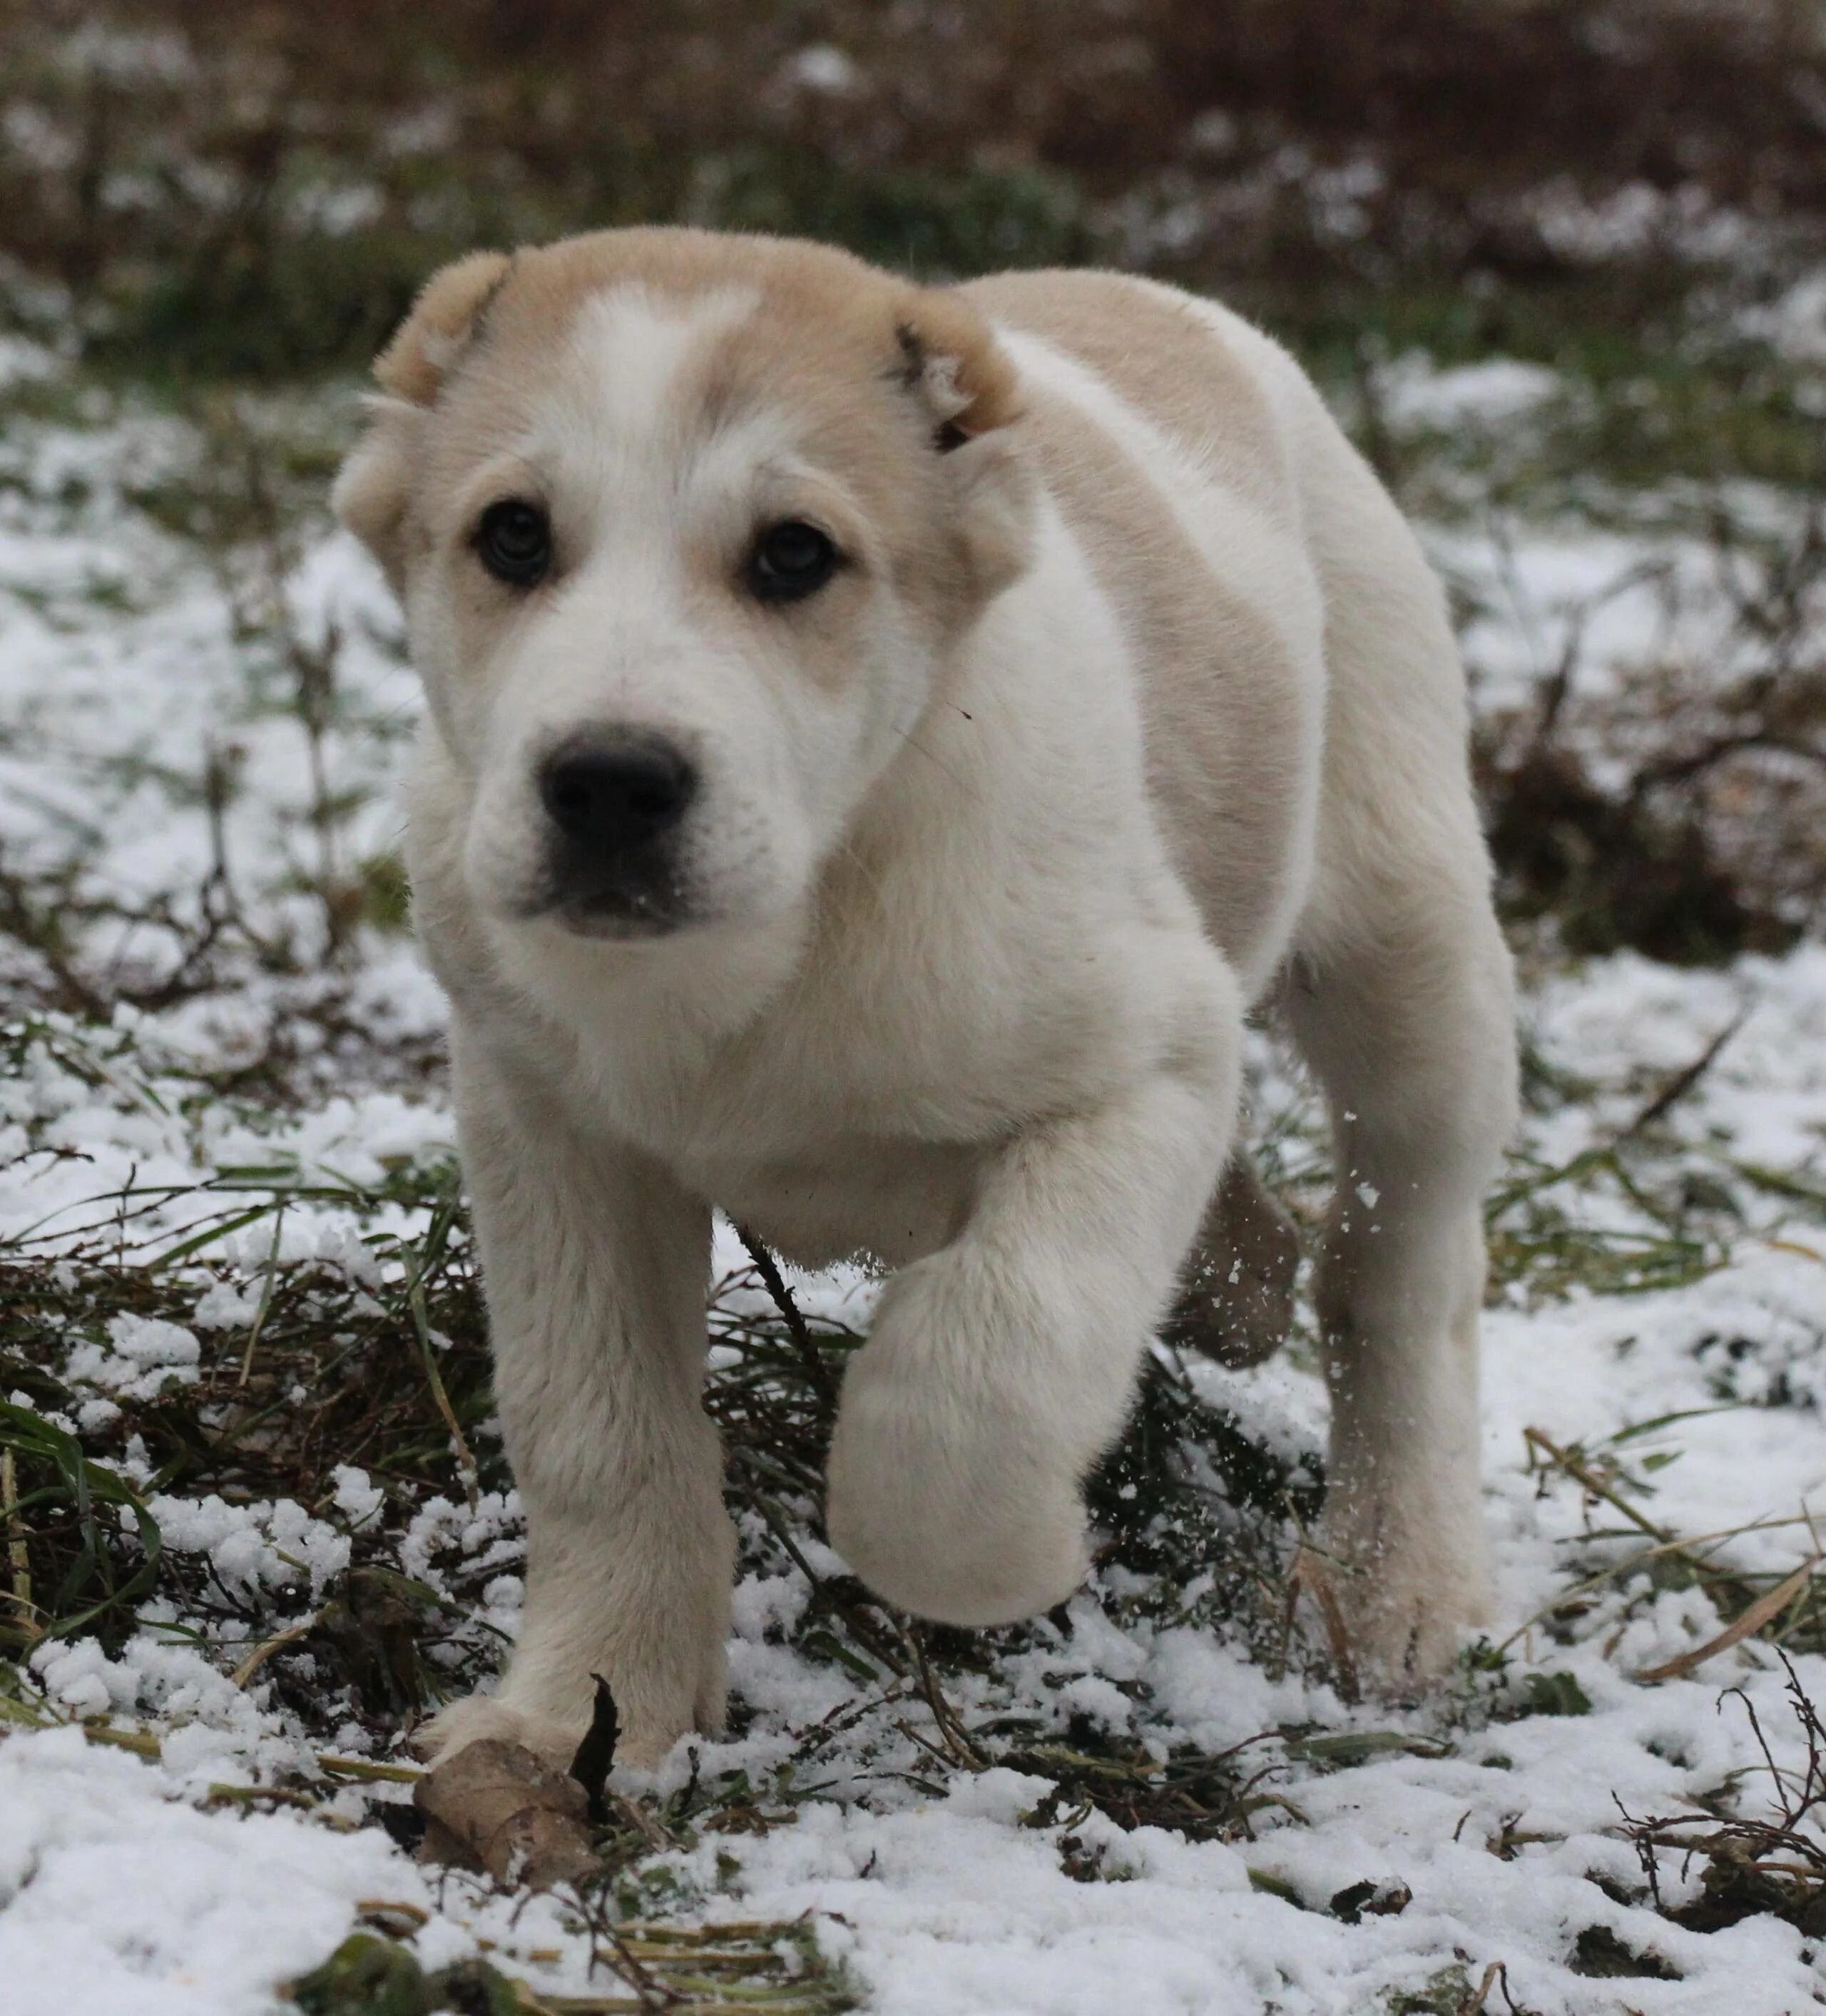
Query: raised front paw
(944, 1508)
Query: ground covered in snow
(256, 1521)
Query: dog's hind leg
(596, 1264)
(1400, 996)
(1236, 1295)
(1412, 1044)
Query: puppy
(881, 742)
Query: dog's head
(683, 525)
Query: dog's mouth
(615, 920)
(617, 915)
(630, 898)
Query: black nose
(611, 793)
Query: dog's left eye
(790, 560)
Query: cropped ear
(997, 493)
(969, 387)
(374, 488)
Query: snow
(1795, 324)
(1414, 393)
(145, 1353)
(120, 1898)
(131, 1886)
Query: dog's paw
(648, 1730)
(1239, 1319)
(1394, 1617)
(1235, 1302)
(480, 1717)
(956, 1561)
(942, 1515)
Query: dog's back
(1279, 611)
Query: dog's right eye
(513, 542)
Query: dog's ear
(375, 481)
(442, 321)
(970, 390)
(954, 364)
(373, 488)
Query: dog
(881, 742)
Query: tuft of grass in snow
(1750, 1865)
(728, 1970)
(1785, 1608)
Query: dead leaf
(595, 1755)
(496, 1807)
(1766, 1608)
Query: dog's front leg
(1001, 1366)
(595, 1264)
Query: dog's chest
(894, 1200)
(826, 1151)
(854, 1113)
(844, 1080)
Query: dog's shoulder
(1189, 371)
(1160, 426)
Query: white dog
(882, 741)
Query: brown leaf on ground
(495, 1806)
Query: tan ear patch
(954, 363)
(442, 322)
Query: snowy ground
(265, 1149)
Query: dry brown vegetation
(190, 189)
(292, 166)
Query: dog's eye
(790, 559)
(513, 542)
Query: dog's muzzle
(614, 802)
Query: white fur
(950, 1003)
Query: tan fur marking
(839, 304)
(828, 344)
(1159, 357)
(820, 361)
(1220, 698)
(828, 341)
(413, 366)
